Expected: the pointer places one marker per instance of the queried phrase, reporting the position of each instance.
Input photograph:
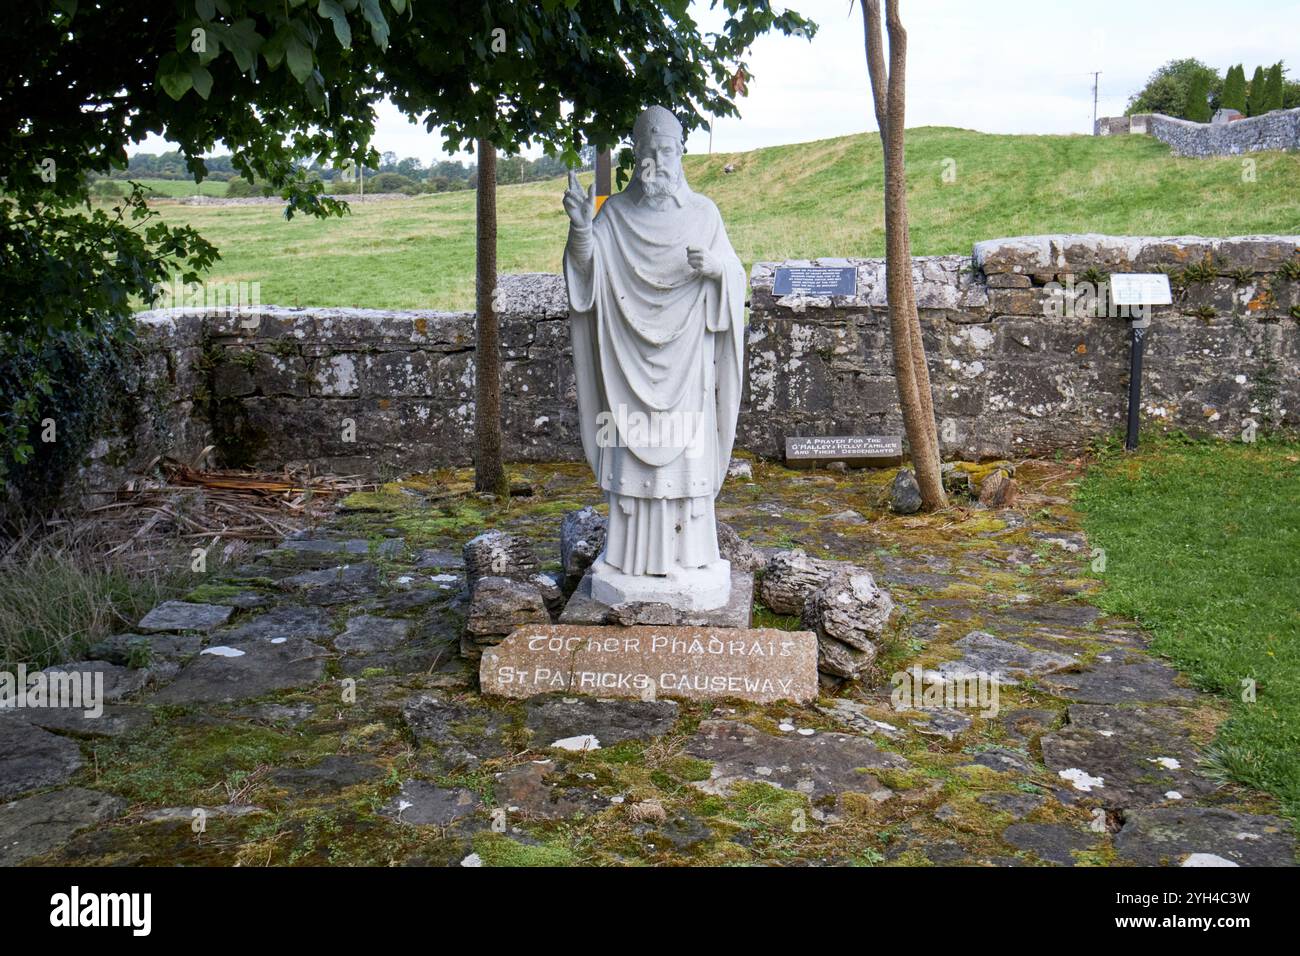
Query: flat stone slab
(184, 616)
(237, 673)
(36, 825)
(1014, 803)
(1050, 842)
(456, 732)
(582, 608)
(115, 680)
(366, 633)
(439, 559)
(1121, 678)
(1125, 757)
(125, 649)
(948, 724)
(290, 621)
(821, 765)
(696, 663)
(387, 547)
(554, 720)
(422, 803)
(1173, 836)
(854, 714)
(1003, 760)
(983, 653)
(114, 720)
(31, 758)
(1056, 615)
(332, 774)
(525, 791)
(336, 585)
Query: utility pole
(1096, 82)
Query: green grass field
(175, 188)
(1202, 545)
(800, 201)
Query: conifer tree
(1255, 95)
(1197, 108)
(1273, 88)
(1234, 89)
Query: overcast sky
(1003, 66)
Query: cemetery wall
(1019, 367)
(1279, 129)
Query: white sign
(1147, 288)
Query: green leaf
(316, 92)
(273, 49)
(342, 29)
(206, 9)
(300, 59)
(174, 76)
(243, 41)
(202, 81)
(378, 25)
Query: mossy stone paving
(329, 719)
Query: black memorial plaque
(815, 280)
(857, 450)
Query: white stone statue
(656, 304)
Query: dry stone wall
(1023, 357)
(1279, 129)
(1019, 365)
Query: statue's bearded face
(659, 164)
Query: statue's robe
(652, 335)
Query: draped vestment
(658, 352)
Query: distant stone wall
(382, 393)
(1279, 129)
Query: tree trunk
(489, 470)
(910, 368)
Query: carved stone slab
(648, 662)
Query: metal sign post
(1142, 290)
(1137, 340)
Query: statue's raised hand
(581, 206)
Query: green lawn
(800, 201)
(1202, 545)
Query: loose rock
(582, 538)
(998, 490)
(742, 555)
(791, 576)
(498, 605)
(848, 614)
(499, 554)
(905, 493)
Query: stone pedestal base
(583, 609)
(699, 589)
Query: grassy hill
(800, 201)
